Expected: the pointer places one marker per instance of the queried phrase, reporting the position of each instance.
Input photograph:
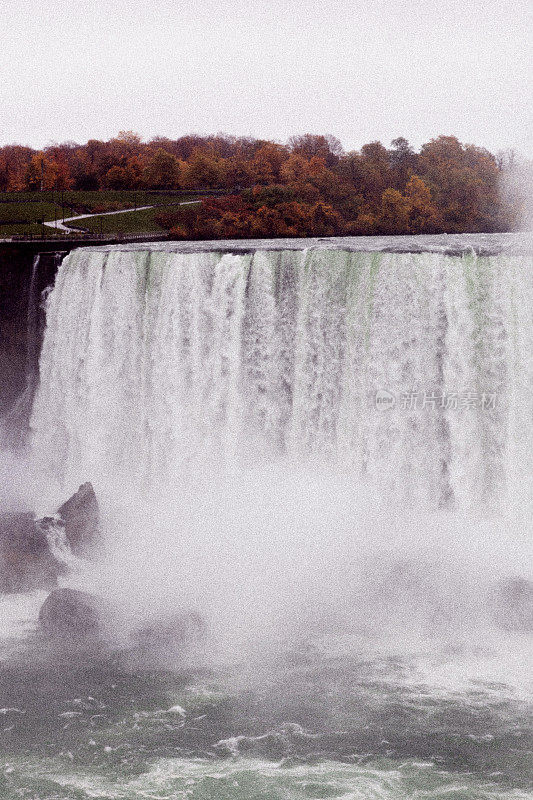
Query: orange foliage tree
(309, 186)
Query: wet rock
(81, 516)
(171, 632)
(30, 555)
(513, 605)
(26, 561)
(71, 614)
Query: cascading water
(324, 450)
(412, 369)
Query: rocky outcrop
(26, 561)
(29, 557)
(70, 614)
(81, 517)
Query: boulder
(513, 605)
(170, 632)
(26, 561)
(29, 557)
(70, 614)
(81, 517)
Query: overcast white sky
(361, 70)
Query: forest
(309, 186)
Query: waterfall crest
(413, 370)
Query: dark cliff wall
(16, 263)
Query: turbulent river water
(325, 449)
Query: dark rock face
(26, 561)
(513, 605)
(16, 301)
(71, 614)
(81, 517)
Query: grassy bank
(130, 222)
(23, 212)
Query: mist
(516, 187)
(283, 554)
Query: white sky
(74, 69)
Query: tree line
(307, 187)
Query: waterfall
(411, 369)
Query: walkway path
(59, 225)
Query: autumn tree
(265, 167)
(394, 212)
(424, 216)
(162, 171)
(295, 169)
(306, 186)
(309, 145)
(374, 170)
(118, 178)
(41, 173)
(403, 162)
(15, 161)
(203, 170)
(464, 181)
